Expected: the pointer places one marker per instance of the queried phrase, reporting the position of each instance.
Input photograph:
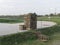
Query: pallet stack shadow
(30, 22)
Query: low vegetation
(17, 38)
(30, 38)
(52, 18)
(10, 21)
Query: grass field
(52, 32)
(7, 20)
(53, 19)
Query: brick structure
(22, 27)
(30, 21)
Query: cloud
(25, 6)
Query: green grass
(53, 32)
(4, 20)
(55, 39)
(33, 42)
(29, 38)
(17, 38)
(53, 19)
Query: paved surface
(6, 28)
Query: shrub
(17, 38)
(51, 30)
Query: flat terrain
(56, 36)
(53, 32)
(56, 39)
(52, 18)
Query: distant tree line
(51, 14)
(22, 16)
(12, 17)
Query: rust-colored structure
(30, 21)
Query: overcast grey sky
(17, 7)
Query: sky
(17, 7)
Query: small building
(30, 21)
